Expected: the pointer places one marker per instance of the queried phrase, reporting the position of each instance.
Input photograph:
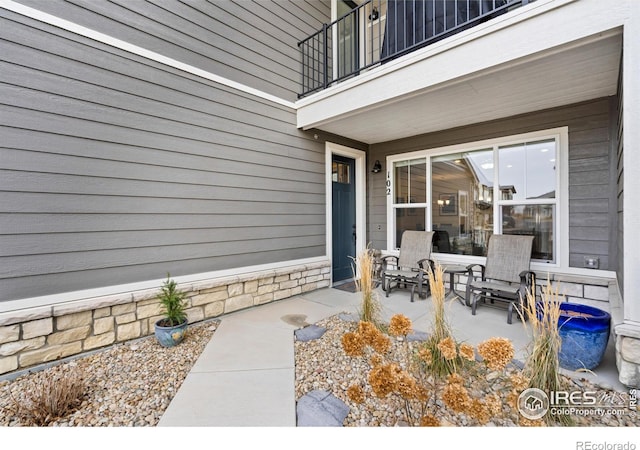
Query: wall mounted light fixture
(374, 14)
(377, 167)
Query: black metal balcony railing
(377, 31)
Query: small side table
(453, 270)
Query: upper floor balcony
(392, 69)
(377, 31)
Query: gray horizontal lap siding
(115, 169)
(251, 42)
(590, 185)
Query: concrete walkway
(246, 374)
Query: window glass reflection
(528, 171)
(462, 197)
(409, 219)
(532, 220)
(411, 181)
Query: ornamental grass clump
(370, 305)
(440, 354)
(51, 396)
(542, 366)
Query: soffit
(559, 76)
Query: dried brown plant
(479, 411)
(441, 328)
(440, 343)
(466, 351)
(524, 422)
(542, 365)
(494, 404)
(376, 360)
(381, 344)
(429, 421)
(496, 352)
(383, 379)
(455, 378)
(400, 325)
(353, 344)
(50, 397)
(448, 348)
(425, 355)
(406, 386)
(356, 394)
(456, 397)
(519, 381)
(368, 332)
(370, 307)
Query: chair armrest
(527, 281)
(427, 264)
(470, 271)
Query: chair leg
(474, 304)
(510, 314)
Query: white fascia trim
(191, 281)
(122, 45)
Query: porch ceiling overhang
(542, 61)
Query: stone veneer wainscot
(39, 335)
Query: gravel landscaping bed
(130, 384)
(322, 364)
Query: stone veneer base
(39, 335)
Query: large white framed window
(466, 193)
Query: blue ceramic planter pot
(584, 331)
(170, 336)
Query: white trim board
(148, 54)
(561, 229)
(361, 196)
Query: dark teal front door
(344, 217)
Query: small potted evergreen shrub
(171, 328)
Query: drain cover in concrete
(309, 333)
(321, 409)
(297, 320)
